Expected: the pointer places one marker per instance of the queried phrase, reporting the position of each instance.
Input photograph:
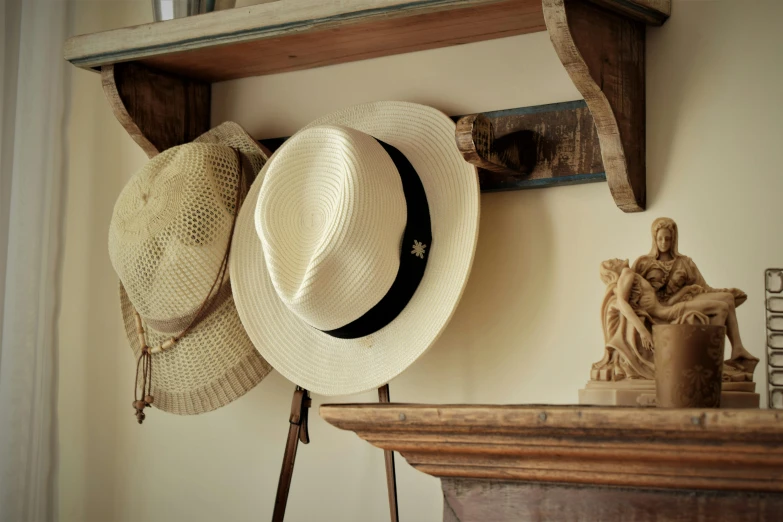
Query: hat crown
(331, 214)
(170, 227)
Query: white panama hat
(333, 235)
(168, 236)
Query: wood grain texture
(603, 53)
(157, 109)
(651, 12)
(112, 91)
(650, 448)
(287, 36)
(497, 501)
(448, 513)
(476, 141)
(553, 145)
(559, 140)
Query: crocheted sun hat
(168, 240)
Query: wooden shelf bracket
(603, 53)
(158, 110)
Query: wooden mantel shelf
(576, 463)
(158, 76)
(630, 447)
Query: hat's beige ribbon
(177, 324)
(218, 292)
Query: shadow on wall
(478, 350)
(687, 52)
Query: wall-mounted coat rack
(532, 147)
(157, 76)
(528, 147)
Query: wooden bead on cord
(165, 346)
(145, 363)
(140, 331)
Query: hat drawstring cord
(144, 362)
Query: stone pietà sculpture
(662, 287)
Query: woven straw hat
(167, 240)
(335, 231)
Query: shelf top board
(288, 35)
(291, 35)
(581, 419)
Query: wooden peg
(476, 141)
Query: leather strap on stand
(296, 432)
(388, 455)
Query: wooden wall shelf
(287, 36)
(513, 458)
(157, 76)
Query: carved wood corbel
(159, 110)
(603, 53)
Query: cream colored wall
(527, 329)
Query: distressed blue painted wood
(560, 139)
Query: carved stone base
(641, 392)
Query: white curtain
(33, 83)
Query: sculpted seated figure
(663, 287)
(629, 310)
(677, 279)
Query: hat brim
(330, 366)
(216, 362)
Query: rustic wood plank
(651, 12)
(711, 423)
(484, 500)
(157, 109)
(287, 36)
(603, 53)
(550, 145)
(652, 448)
(558, 141)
